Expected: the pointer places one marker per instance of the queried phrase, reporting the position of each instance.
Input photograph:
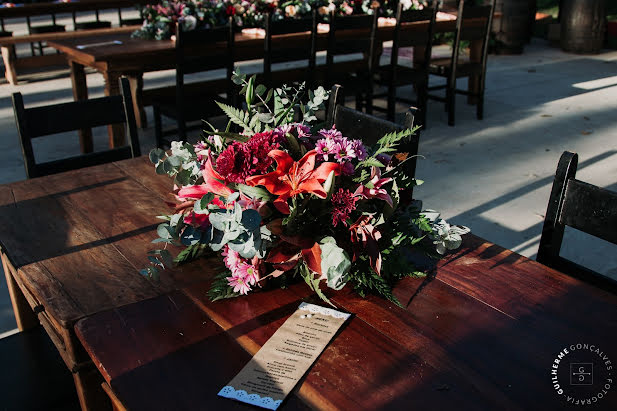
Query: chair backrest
(130, 21)
(368, 128)
(466, 30)
(415, 39)
(58, 118)
(352, 35)
(584, 207)
(192, 58)
(283, 51)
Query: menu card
(280, 363)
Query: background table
(133, 57)
(481, 333)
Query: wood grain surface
(480, 332)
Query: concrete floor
(493, 176)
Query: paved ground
(492, 175)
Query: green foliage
(387, 144)
(313, 282)
(366, 282)
(237, 116)
(335, 263)
(240, 230)
(220, 288)
(191, 253)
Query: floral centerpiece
(285, 200)
(160, 19)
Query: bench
(8, 41)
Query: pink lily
(373, 188)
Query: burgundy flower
(343, 203)
(231, 10)
(233, 163)
(241, 160)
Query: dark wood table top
(151, 55)
(77, 240)
(481, 332)
(49, 7)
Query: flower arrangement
(160, 19)
(285, 200)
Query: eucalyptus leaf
(157, 155)
(250, 219)
(201, 206)
(335, 263)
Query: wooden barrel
(582, 25)
(513, 28)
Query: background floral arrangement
(160, 18)
(285, 200)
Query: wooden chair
(282, 51)
(39, 379)
(395, 74)
(355, 124)
(90, 25)
(584, 207)
(131, 21)
(40, 29)
(348, 37)
(457, 66)
(190, 103)
(58, 118)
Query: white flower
(444, 236)
(178, 150)
(447, 237)
(188, 22)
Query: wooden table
(12, 64)
(135, 56)
(486, 328)
(481, 333)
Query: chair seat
(465, 68)
(131, 22)
(404, 75)
(52, 28)
(90, 25)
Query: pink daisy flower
(239, 284)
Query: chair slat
(46, 120)
(590, 209)
(291, 26)
(85, 160)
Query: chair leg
(158, 126)
(450, 102)
(369, 100)
(391, 111)
(181, 127)
(423, 103)
(359, 101)
(480, 107)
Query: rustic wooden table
(485, 329)
(481, 333)
(133, 57)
